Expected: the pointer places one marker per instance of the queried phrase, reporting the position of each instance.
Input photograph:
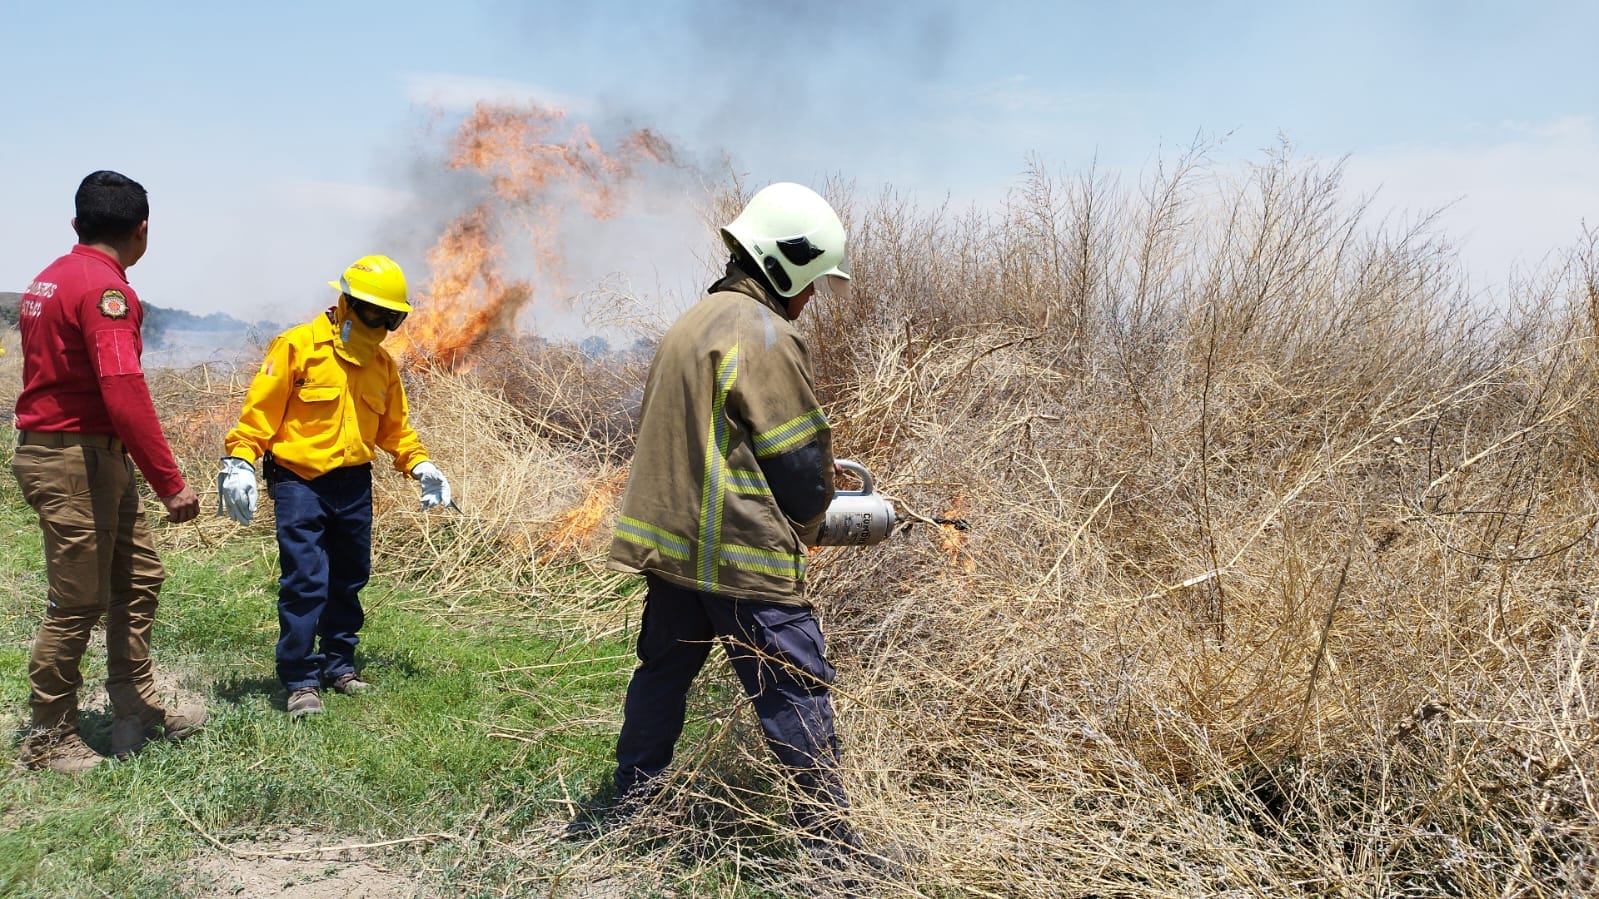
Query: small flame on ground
(577, 526)
(952, 541)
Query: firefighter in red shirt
(83, 411)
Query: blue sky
(281, 141)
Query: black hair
(109, 207)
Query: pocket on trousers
(56, 483)
(794, 634)
(72, 554)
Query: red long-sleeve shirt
(80, 361)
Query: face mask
(357, 341)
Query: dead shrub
(1280, 575)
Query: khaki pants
(101, 562)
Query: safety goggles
(376, 316)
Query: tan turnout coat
(730, 386)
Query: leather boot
(58, 751)
(302, 702)
(130, 732)
(348, 684)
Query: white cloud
(1517, 196)
(461, 92)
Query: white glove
(236, 489)
(435, 489)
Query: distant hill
(157, 319)
(174, 329)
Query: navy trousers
(325, 554)
(776, 651)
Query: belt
(59, 439)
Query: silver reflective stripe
(646, 534)
(715, 469)
(763, 560)
(750, 483)
(790, 434)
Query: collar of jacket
(737, 280)
(322, 327)
(100, 256)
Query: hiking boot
(129, 733)
(304, 701)
(852, 868)
(601, 813)
(348, 684)
(68, 755)
(852, 872)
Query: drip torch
(857, 517)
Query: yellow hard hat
(376, 280)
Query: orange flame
(467, 299)
(576, 527)
(535, 168)
(952, 540)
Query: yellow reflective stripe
(646, 534)
(763, 560)
(749, 483)
(715, 462)
(790, 433)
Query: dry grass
(1281, 579)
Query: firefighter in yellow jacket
(730, 481)
(325, 396)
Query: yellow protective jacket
(314, 411)
(729, 402)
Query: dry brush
(1280, 578)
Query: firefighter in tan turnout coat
(731, 479)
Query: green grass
(452, 741)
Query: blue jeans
(778, 654)
(325, 554)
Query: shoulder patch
(113, 304)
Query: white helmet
(792, 234)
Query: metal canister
(857, 517)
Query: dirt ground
(298, 865)
(287, 867)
